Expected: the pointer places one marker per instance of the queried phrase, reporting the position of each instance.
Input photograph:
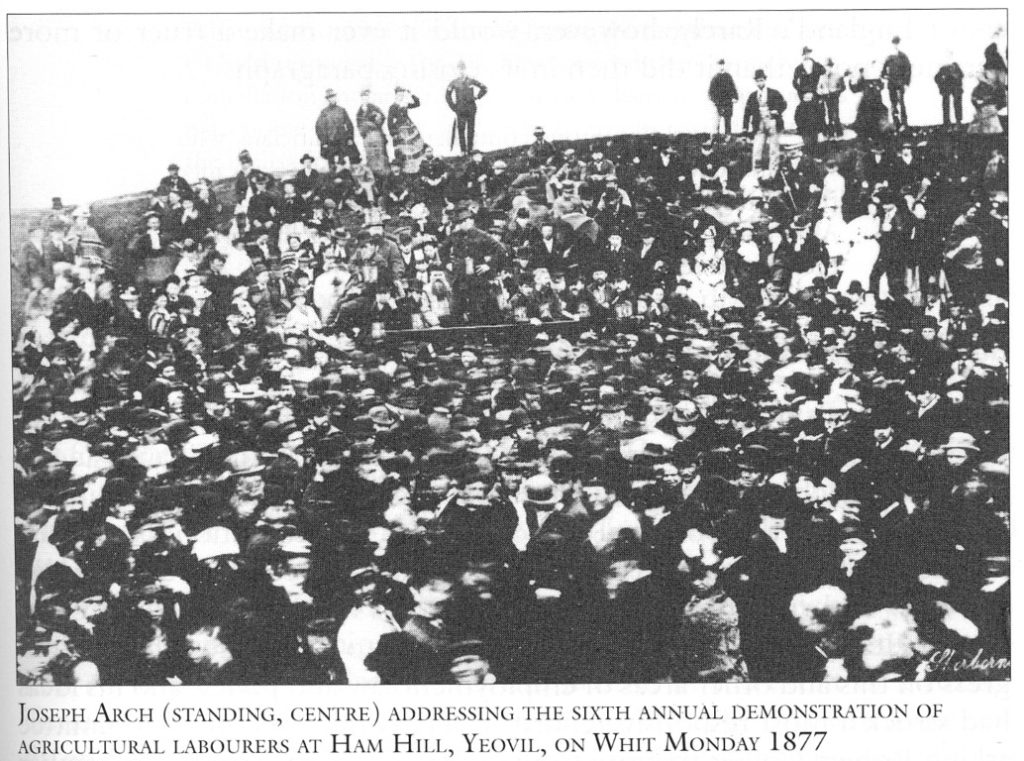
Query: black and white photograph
(520, 348)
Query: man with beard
(244, 486)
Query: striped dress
(409, 145)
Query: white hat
(153, 455)
(90, 466)
(215, 542)
(70, 450)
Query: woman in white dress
(711, 277)
(834, 233)
(863, 233)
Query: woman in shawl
(370, 123)
(988, 97)
(409, 145)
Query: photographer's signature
(951, 659)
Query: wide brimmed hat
(215, 542)
(960, 440)
(241, 464)
(330, 93)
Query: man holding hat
(335, 132)
(763, 117)
(723, 96)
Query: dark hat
(721, 62)
(755, 456)
(330, 93)
(806, 50)
(326, 626)
(245, 157)
(538, 131)
(467, 648)
(173, 167)
(306, 157)
(778, 501)
(462, 215)
(759, 74)
(896, 40)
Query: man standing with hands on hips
(462, 94)
(763, 117)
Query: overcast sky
(99, 105)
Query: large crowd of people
(656, 413)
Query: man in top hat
(723, 96)
(461, 95)
(763, 117)
(335, 132)
(896, 74)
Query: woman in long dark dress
(370, 123)
(409, 145)
(872, 115)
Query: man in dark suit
(667, 171)
(174, 181)
(723, 95)
(806, 75)
(763, 581)
(462, 94)
(547, 251)
(950, 81)
(763, 117)
(896, 73)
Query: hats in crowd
(806, 50)
(759, 74)
(330, 93)
(245, 157)
(173, 167)
(538, 131)
(70, 450)
(896, 40)
(960, 440)
(720, 62)
(306, 157)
